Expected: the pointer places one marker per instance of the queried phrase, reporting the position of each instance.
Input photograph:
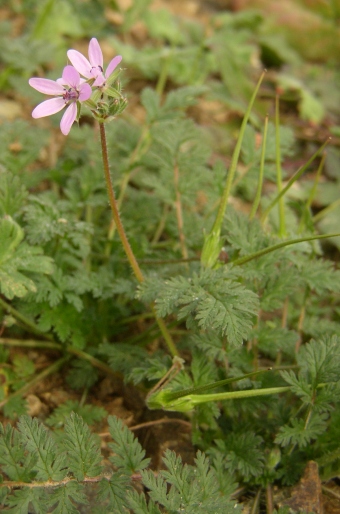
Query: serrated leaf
(116, 491)
(90, 413)
(82, 448)
(50, 463)
(11, 235)
(12, 193)
(65, 496)
(16, 258)
(137, 502)
(21, 499)
(300, 433)
(129, 455)
(242, 453)
(320, 360)
(15, 462)
(212, 300)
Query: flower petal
(113, 64)
(80, 63)
(85, 92)
(95, 53)
(68, 118)
(71, 76)
(46, 86)
(100, 80)
(48, 107)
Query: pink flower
(69, 90)
(93, 69)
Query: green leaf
(242, 454)
(187, 488)
(91, 414)
(82, 448)
(299, 386)
(65, 497)
(116, 492)
(50, 463)
(311, 108)
(65, 321)
(212, 300)
(137, 502)
(301, 434)
(19, 502)
(129, 455)
(11, 236)
(17, 257)
(15, 462)
(320, 360)
(12, 194)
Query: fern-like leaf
(50, 463)
(65, 496)
(115, 491)
(82, 448)
(213, 300)
(301, 434)
(129, 455)
(15, 462)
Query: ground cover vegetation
(169, 238)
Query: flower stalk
(114, 208)
(123, 237)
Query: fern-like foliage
(50, 473)
(318, 386)
(82, 449)
(212, 299)
(242, 454)
(129, 455)
(18, 260)
(192, 489)
(38, 441)
(301, 433)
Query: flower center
(70, 94)
(96, 70)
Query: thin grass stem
(257, 198)
(291, 181)
(282, 220)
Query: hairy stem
(123, 237)
(114, 208)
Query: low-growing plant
(245, 304)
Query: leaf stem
(46, 345)
(47, 371)
(207, 387)
(264, 251)
(17, 315)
